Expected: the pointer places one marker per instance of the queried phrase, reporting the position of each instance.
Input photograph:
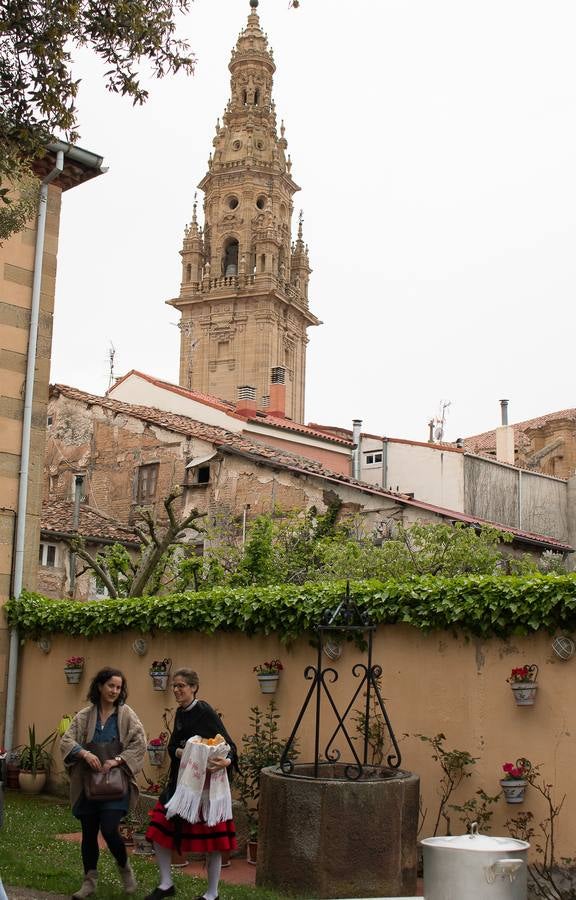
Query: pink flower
(515, 771)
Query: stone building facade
(545, 444)
(244, 292)
(131, 456)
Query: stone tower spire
(244, 292)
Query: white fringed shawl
(198, 797)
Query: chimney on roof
(505, 437)
(246, 402)
(357, 449)
(277, 406)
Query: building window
(146, 484)
(198, 475)
(98, 590)
(47, 555)
(373, 459)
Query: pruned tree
(127, 577)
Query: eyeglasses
(178, 686)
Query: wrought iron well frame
(348, 620)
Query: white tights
(164, 862)
(214, 867)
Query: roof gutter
(78, 155)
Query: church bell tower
(244, 292)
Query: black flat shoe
(158, 893)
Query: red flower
(74, 662)
(523, 673)
(514, 771)
(274, 667)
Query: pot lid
(475, 841)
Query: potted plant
(522, 680)
(34, 762)
(73, 668)
(261, 748)
(160, 673)
(514, 782)
(157, 749)
(268, 675)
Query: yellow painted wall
(431, 683)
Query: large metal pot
(475, 867)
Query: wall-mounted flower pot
(513, 789)
(159, 680)
(268, 683)
(156, 755)
(73, 676)
(524, 692)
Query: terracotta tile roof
(216, 402)
(481, 443)
(226, 406)
(232, 442)
(58, 516)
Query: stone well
(330, 837)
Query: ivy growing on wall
(482, 605)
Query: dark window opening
(230, 259)
(203, 474)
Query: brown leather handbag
(110, 785)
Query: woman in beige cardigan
(107, 721)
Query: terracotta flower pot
(252, 852)
(31, 784)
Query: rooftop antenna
(440, 420)
(111, 357)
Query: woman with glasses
(193, 717)
(103, 735)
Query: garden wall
(432, 682)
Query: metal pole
(78, 485)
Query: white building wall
(432, 474)
(134, 389)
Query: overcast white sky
(435, 144)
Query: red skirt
(177, 833)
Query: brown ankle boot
(88, 886)
(128, 879)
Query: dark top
(201, 719)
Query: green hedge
(475, 604)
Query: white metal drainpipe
(20, 544)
